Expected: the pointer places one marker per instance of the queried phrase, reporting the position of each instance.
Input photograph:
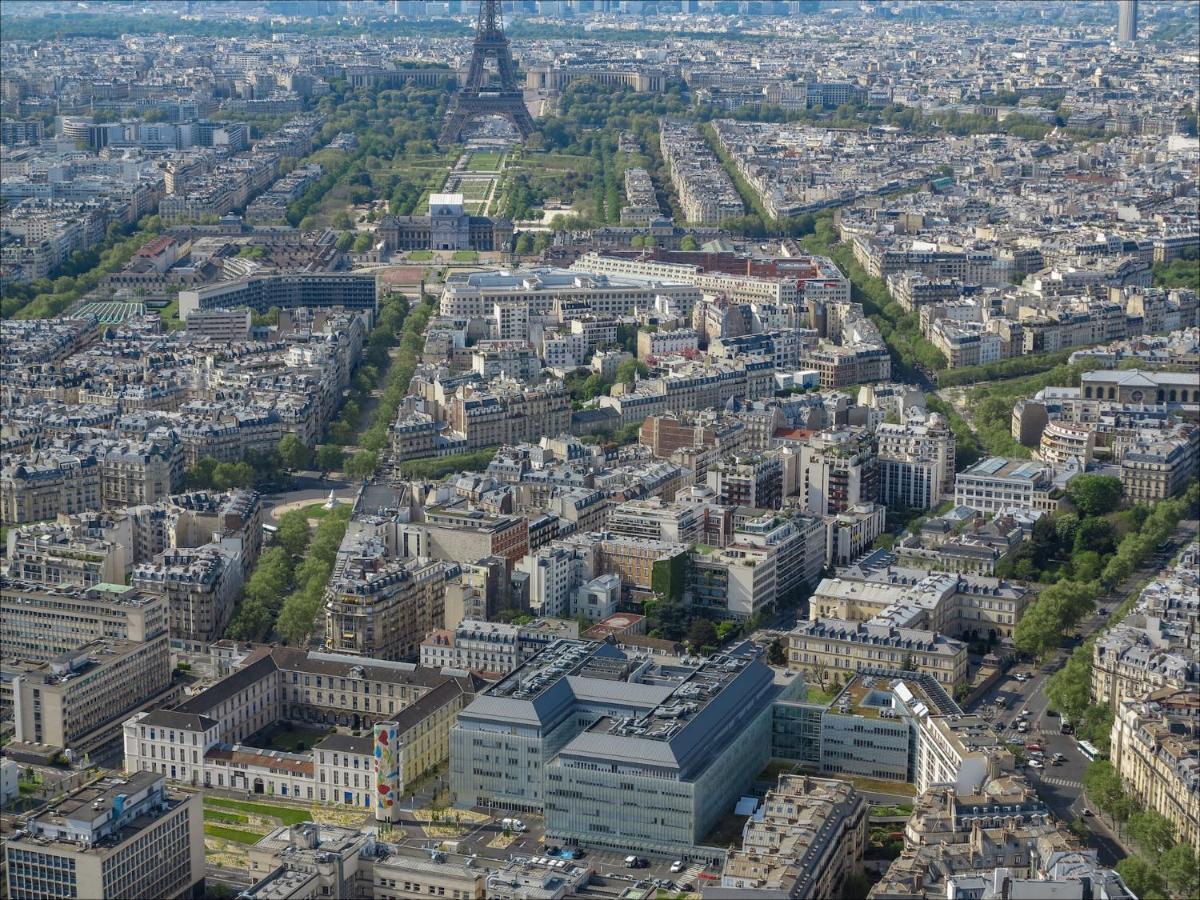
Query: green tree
(1039, 631)
(1142, 878)
(688, 243)
(294, 453)
(1069, 689)
(1103, 784)
(1153, 832)
(1181, 868)
(329, 457)
(341, 432)
(702, 633)
(630, 367)
(231, 475)
(200, 476)
(362, 464)
(777, 653)
(1095, 495)
(1087, 566)
(293, 534)
(1095, 534)
(297, 616)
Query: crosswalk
(690, 874)
(1063, 782)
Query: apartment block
(969, 606)
(840, 469)
(996, 483)
(41, 623)
(829, 647)
(78, 700)
(809, 834)
(201, 585)
(380, 607)
(115, 838)
(1152, 649)
(1154, 750)
(916, 463)
(706, 193)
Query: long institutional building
(543, 291)
(199, 742)
(77, 662)
(292, 290)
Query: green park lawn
(287, 815)
(484, 162)
(232, 834)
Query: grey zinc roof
(170, 718)
(627, 693)
(634, 750)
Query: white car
(677, 867)
(1036, 764)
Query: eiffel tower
(479, 98)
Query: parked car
(677, 866)
(553, 851)
(1015, 740)
(1086, 812)
(1034, 748)
(1036, 764)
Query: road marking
(1062, 782)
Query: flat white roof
(445, 199)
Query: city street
(1061, 786)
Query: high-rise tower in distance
(1127, 23)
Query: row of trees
(391, 126)
(284, 593)
(405, 330)
(1163, 865)
(1014, 367)
(256, 469)
(83, 272)
(1179, 273)
(992, 403)
(1098, 562)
